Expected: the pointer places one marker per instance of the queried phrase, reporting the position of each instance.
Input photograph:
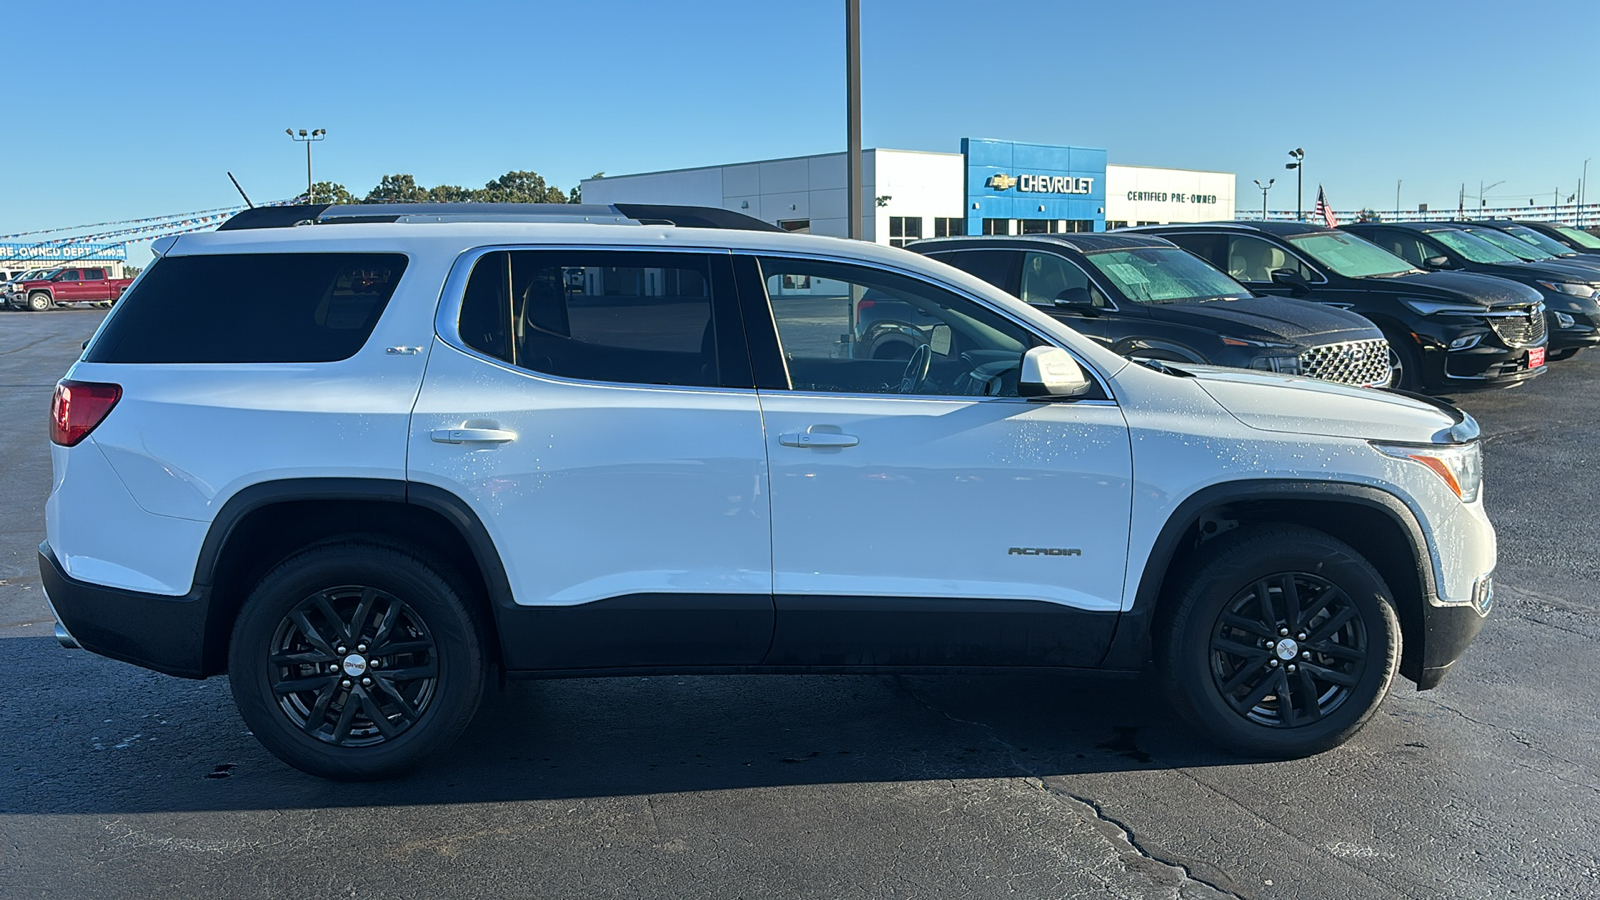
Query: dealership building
(990, 187)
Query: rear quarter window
(251, 308)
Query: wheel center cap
(1286, 649)
(356, 665)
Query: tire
(362, 722)
(1405, 362)
(39, 302)
(1225, 661)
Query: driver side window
(1047, 278)
(1254, 260)
(855, 330)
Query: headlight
(1460, 465)
(1587, 291)
(1432, 307)
(1283, 365)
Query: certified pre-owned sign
(1042, 184)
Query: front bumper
(1448, 629)
(1487, 365)
(167, 634)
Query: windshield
(1163, 275)
(1475, 249)
(1350, 256)
(1548, 245)
(1519, 249)
(1579, 237)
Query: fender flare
(1131, 642)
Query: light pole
(1481, 189)
(1299, 167)
(852, 106)
(1264, 188)
(1583, 191)
(307, 139)
(1397, 199)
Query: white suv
(355, 457)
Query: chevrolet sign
(1042, 184)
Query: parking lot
(118, 782)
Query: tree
(451, 193)
(521, 187)
(397, 189)
(328, 192)
(1369, 215)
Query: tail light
(866, 304)
(78, 407)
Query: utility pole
(1480, 195)
(1583, 191)
(307, 139)
(852, 80)
(1397, 199)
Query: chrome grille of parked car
(1364, 363)
(1522, 330)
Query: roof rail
(567, 213)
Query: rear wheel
(1282, 642)
(39, 301)
(356, 661)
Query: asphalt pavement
(117, 782)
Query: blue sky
(173, 95)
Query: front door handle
(817, 439)
(472, 436)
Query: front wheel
(1281, 643)
(356, 661)
(39, 302)
(1405, 363)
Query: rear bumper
(158, 632)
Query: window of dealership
(990, 187)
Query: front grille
(1524, 329)
(1364, 363)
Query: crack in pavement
(1525, 743)
(1123, 834)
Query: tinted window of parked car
(638, 318)
(251, 308)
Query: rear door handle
(472, 436)
(817, 439)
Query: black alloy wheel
(357, 660)
(1288, 649)
(1279, 640)
(353, 666)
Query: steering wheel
(916, 369)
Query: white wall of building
(1137, 194)
(809, 188)
(917, 184)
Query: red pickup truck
(64, 286)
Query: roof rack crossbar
(549, 213)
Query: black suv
(1449, 330)
(1530, 244)
(1575, 239)
(1147, 299)
(1571, 292)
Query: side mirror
(1437, 262)
(1289, 278)
(1050, 372)
(1075, 298)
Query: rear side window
(251, 308)
(598, 315)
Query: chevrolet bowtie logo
(1001, 182)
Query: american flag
(1323, 211)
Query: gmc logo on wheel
(1044, 551)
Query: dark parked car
(1147, 299)
(1575, 239)
(1543, 247)
(1571, 292)
(1449, 330)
